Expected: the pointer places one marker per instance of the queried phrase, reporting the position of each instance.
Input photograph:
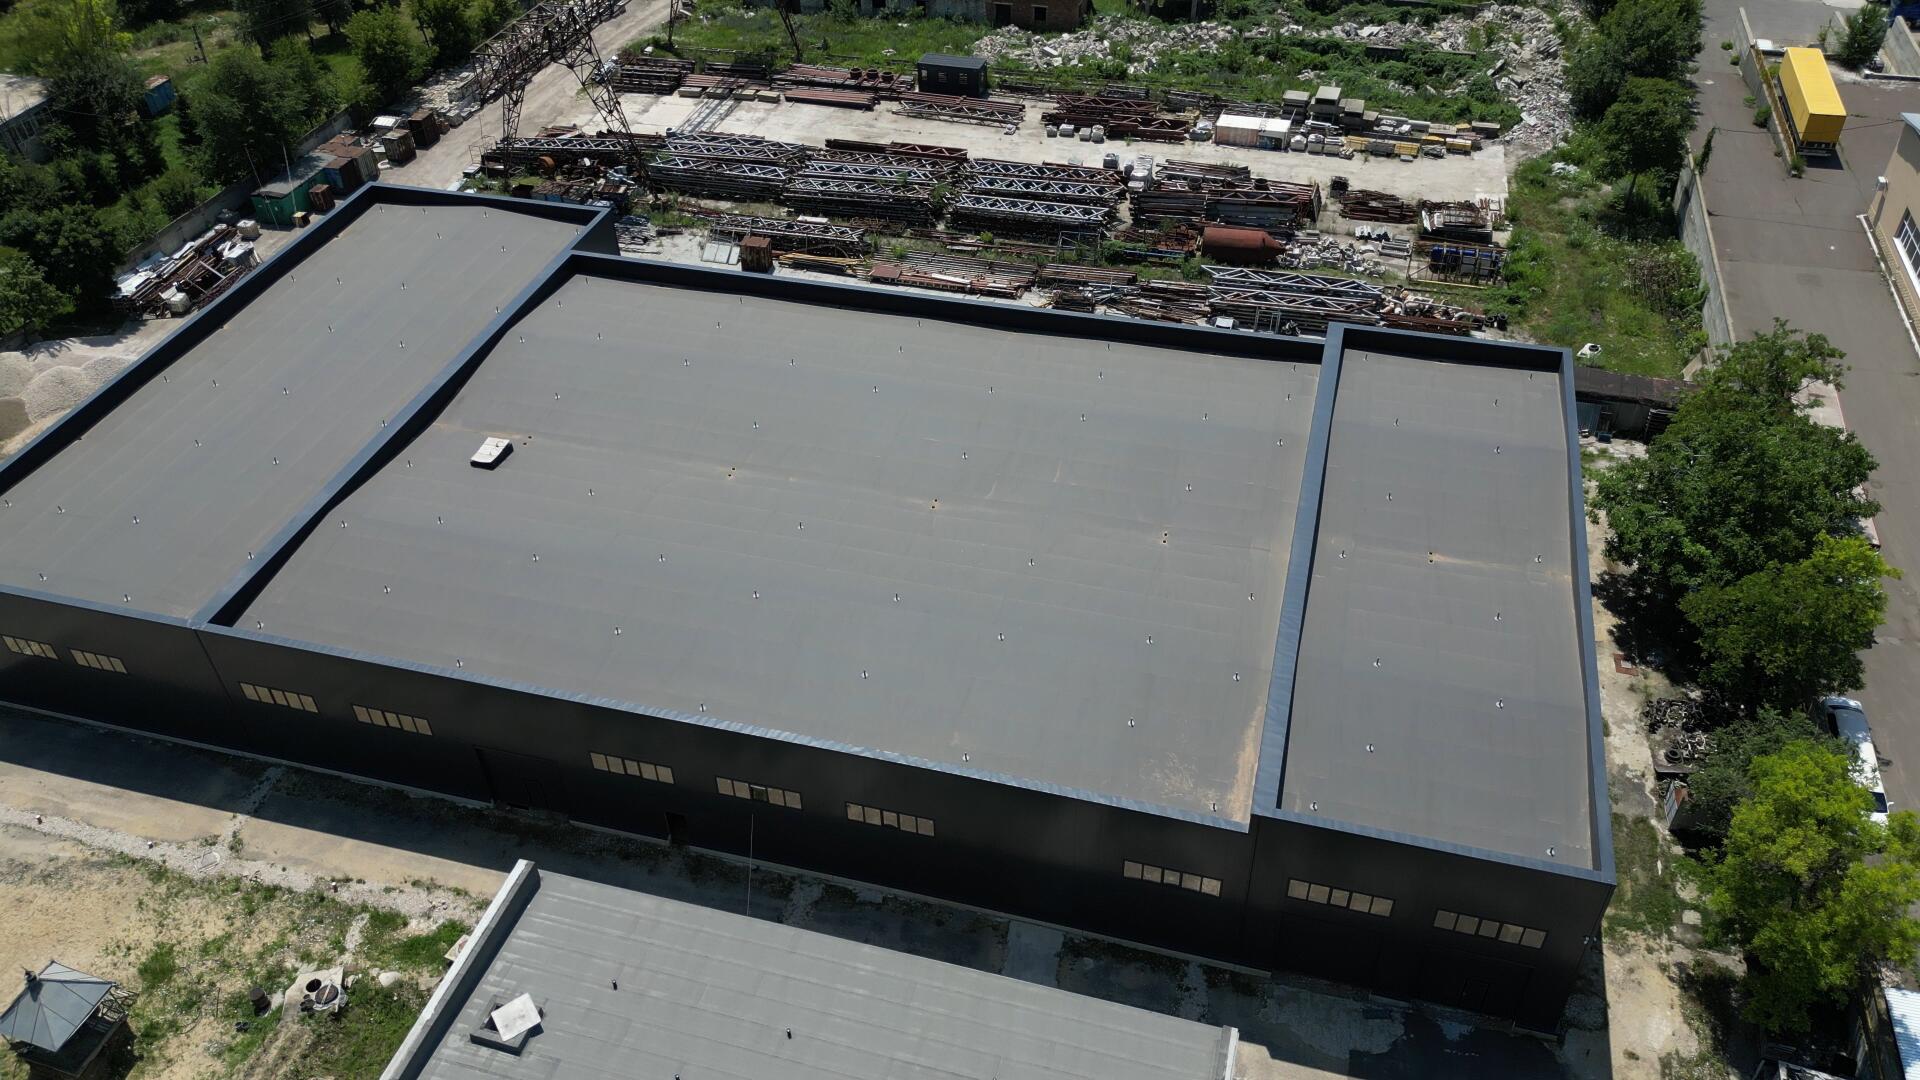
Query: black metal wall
(997, 846)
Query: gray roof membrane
(216, 456)
(1439, 689)
(1039, 556)
(705, 994)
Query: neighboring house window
(1039, 16)
(98, 662)
(645, 770)
(1160, 875)
(267, 695)
(28, 647)
(1364, 903)
(889, 819)
(397, 721)
(1474, 926)
(740, 789)
(1907, 239)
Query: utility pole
(786, 20)
(198, 44)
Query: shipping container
(1233, 129)
(1814, 113)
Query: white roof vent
(492, 452)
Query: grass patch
(159, 968)
(1585, 269)
(1647, 900)
(892, 41)
(385, 944)
(366, 1035)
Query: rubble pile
(1530, 71)
(1145, 40)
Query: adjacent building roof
(52, 1007)
(1440, 682)
(167, 496)
(1030, 555)
(20, 94)
(706, 993)
(947, 60)
(1903, 1008)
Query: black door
(523, 782)
(1466, 981)
(677, 829)
(1003, 14)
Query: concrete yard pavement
(1796, 250)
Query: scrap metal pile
(191, 277)
(1290, 302)
(955, 273)
(788, 235)
(1362, 205)
(744, 167)
(1193, 193)
(1019, 197)
(963, 110)
(1117, 117)
(650, 74)
(870, 81)
(545, 153)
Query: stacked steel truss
(1026, 215)
(788, 235)
(1029, 170)
(717, 178)
(861, 198)
(1053, 190)
(524, 153)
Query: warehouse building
(1263, 649)
(1892, 211)
(626, 984)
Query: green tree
(390, 54)
(75, 249)
(268, 21)
(1645, 129)
(448, 26)
(245, 116)
(1722, 782)
(1742, 480)
(307, 90)
(27, 302)
(48, 37)
(1650, 39)
(177, 191)
(1866, 29)
(1794, 890)
(490, 15)
(334, 13)
(1790, 633)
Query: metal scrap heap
(963, 110)
(1118, 117)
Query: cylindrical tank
(1231, 244)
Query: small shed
(939, 73)
(277, 202)
(158, 97)
(1238, 129)
(62, 1020)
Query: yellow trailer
(1814, 113)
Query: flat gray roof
(707, 993)
(987, 549)
(1439, 689)
(243, 429)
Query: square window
(926, 826)
(1444, 920)
(1130, 869)
(1467, 924)
(725, 785)
(122, 668)
(1296, 889)
(855, 813)
(1210, 886)
(871, 814)
(890, 819)
(599, 760)
(247, 689)
(82, 659)
(1510, 933)
(1382, 906)
(1190, 881)
(1489, 928)
(1360, 902)
(1533, 939)
(360, 714)
(44, 650)
(278, 697)
(793, 800)
(421, 723)
(1317, 894)
(406, 724)
(648, 772)
(1149, 872)
(307, 704)
(666, 774)
(757, 793)
(632, 766)
(908, 822)
(1337, 897)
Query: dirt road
(552, 98)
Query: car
(1845, 718)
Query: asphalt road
(1796, 250)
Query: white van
(1847, 719)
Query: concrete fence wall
(233, 196)
(1696, 233)
(1903, 55)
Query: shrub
(1762, 115)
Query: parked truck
(1814, 114)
